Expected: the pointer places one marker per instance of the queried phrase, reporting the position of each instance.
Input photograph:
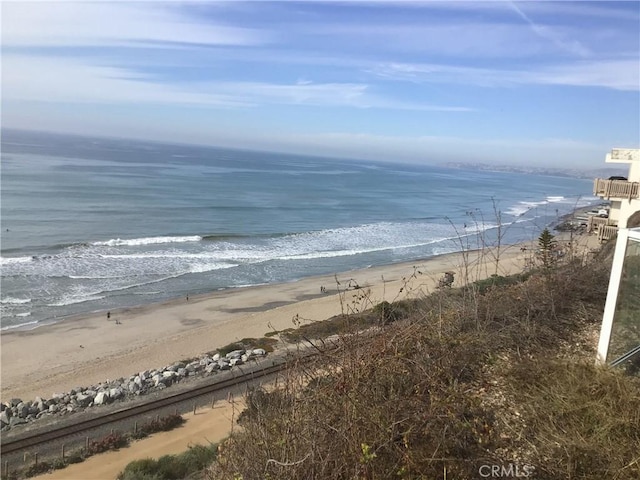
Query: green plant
(36, 469)
(386, 312)
(170, 467)
(547, 248)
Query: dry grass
(438, 387)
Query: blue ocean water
(93, 224)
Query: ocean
(94, 224)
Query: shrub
(161, 424)
(387, 312)
(453, 387)
(113, 441)
(33, 469)
(170, 467)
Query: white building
(624, 195)
(619, 343)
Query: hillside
(494, 377)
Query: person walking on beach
(108, 315)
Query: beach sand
(85, 350)
(204, 427)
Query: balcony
(603, 227)
(618, 189)
(607, 232)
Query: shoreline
(50, 322)
(87, 349)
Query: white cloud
(543, 31)
(621, 74)
(113, 24)
(51, 79)
(46, 79)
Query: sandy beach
(84, 350)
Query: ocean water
(91, 224)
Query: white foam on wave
(342, 253)
(132, 242)
(19, 325)
(209, 267)
(71, 300)
(14, 260)
(15, 301)
(523, 207)
(519, 209)
(94, 277)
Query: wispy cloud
(464, 38)
(51, 79)
(622, 74)
(547, 33)
(85, 24)
(46, 79)
(381, 66)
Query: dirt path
(206, 426)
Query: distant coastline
(546, 171)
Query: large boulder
(168, 377)
(176, 366)
(4, 418)
(22, 409)
(211, 368)
(235, 354)
(259, 352)
(83, 399)
(57, 397)
(116, 393)
(101, 398)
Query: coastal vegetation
(169, 467)
(112, 441)
(495, 374)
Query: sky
(522, 83)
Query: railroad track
(38, 437)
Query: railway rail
(38, 437)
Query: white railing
(616, 189)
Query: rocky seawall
(18, 412)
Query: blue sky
(540, 83)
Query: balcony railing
(616, 189)
(595, 223)
(605, 228)
(607, 232)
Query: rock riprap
(17, 412)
